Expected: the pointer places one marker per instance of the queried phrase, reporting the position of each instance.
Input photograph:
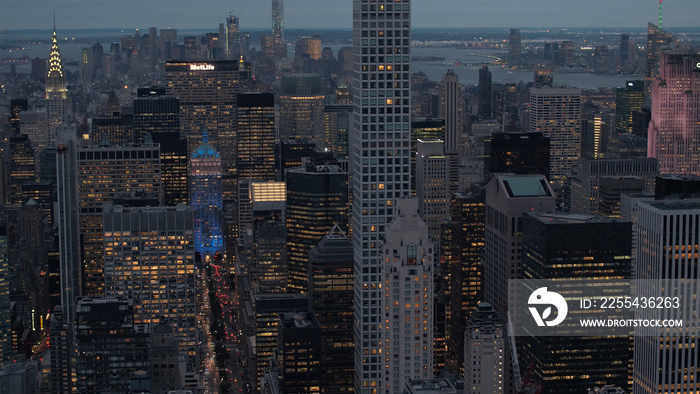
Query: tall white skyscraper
(408, 299)
(666, 361)
(379, 163)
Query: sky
(255, 14)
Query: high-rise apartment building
(207, 91)
(556, 113)
(665, 361)
(206, 198)
(317, 201)
(104, 173)
(408, 269)
(331, 294)
(301, 109)
(56, 91)
(379, 141)
(657, 39)
(484, 347)
(674, 130)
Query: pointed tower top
(336, 233)
(55, 68)
(205, 136)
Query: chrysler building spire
(56, 91)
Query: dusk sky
(255, 14)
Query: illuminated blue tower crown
(206, 194)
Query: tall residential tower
(379, 141)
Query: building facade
(379, 140)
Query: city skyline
(255, 14)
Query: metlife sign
(202, 67)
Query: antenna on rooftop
(660, 9)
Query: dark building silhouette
(601, 251)
(300, 350)
(331, 293)
(155, 112)
(628, 100)
(110, 347)
(317, 200)
(173, 166)
(515, 48)
(484, 93)
(16, 106)
(676, 187)
(519, 153)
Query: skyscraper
(331, 293)
(105, 172)
(68, 223)
(628, 99)
(280, 47)
(155, 112)
(56, 90)
(519, 153)
(408, 269)
(507, 197)
(601, 252)
(451, 110)
(484, 344)
(149, 258)
(207, 91)
(515, 48)
(484, 92)
(674, 130)
(300, 353)
(556, 113)
(317, 200)
(657, 39)
(256, 136)
(301, 109)
(22, 166)
(206, 198)
(665, 361)
(233, 38)
(461, 247)
(432, 185)
(380, 137)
